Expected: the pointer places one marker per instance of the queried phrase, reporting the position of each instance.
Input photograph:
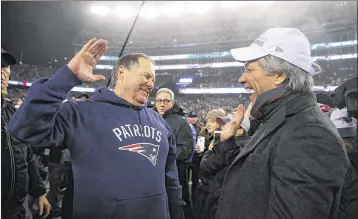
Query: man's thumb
(98, 78)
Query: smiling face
(163, 103)
(254, 77)
(211, 126)
(136, 83)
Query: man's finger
(41, 208)
(98, 56)
(97, 78)
(88, 45)
(97, 47)
(48, 208)
(248, 110)
(239, 114)
(101, 49)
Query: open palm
(83, 62)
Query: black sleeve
(36, 187)
(184, 142)
(210, 164)
(222, 155)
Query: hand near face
(84, 61)
(230, 128)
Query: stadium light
(100, 10)
(125, 11)
(149, 12)
(173, 10)
(200, 7)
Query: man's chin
(140, 102)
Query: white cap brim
(247, 54)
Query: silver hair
(297, 79)
(166, 90)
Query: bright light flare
(173, 10)
(100, 10)
(262, 3)
(149, 12)
(125, 11)
(231, 4)
(200, 7)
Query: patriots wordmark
(150, 151)
(130, 131)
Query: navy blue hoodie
(123, 157)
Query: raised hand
(83, 62)
(230, 128)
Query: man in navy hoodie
(123, 154)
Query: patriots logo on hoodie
(150, 151)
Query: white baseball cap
(288, 44)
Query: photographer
(345, 120)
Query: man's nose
(242, 79)
(150, 84)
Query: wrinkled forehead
(251, 63)
(145, 65)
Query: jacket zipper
(12, 187)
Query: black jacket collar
(269, 102)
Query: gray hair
(166, 90)
(127, 61)
(297, 80)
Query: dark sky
(40, 30)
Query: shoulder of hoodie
(159, 119)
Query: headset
(129, 34)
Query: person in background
(347, 129)
(110, 137)
(202, 190)
(216, 161)
(193, 169)
(294, 165)
(19, 170)
(173, 114)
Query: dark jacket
(348, 208)
(294, 165)
(202, 189)
(181, 130)
(214, 165)
(130, 149)
(19, 170)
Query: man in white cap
(295, 163)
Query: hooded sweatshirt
(123, 157)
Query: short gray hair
(166, 90)
(127, 61)
(297, 79)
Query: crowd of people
(280, 152)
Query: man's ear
(280, 78)
(120, 73)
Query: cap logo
(279, 49)
(260, 41)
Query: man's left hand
(43, 203)
(230, 128)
